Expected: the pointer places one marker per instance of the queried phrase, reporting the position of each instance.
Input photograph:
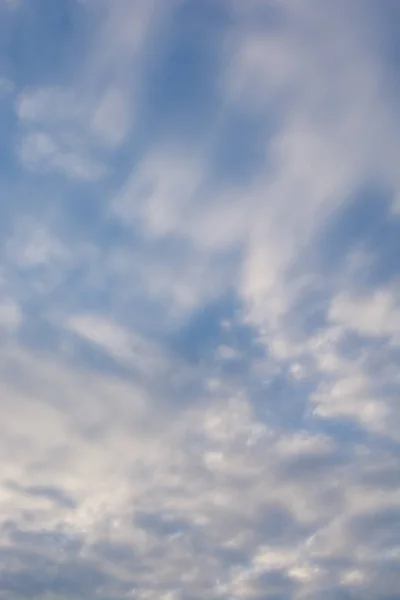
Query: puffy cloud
(376, 315)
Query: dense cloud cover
(199, 299)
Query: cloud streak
(199, 309)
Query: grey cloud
(160, 526)
(276, 525)
(54, 494)
(313, 467)
(40, 563)
(274, 584)
(376, 531)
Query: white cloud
(376, 315)
(33, 245)
(315, 70)
(351, 396)
(65, 127)
(40, 152)
(173, 480)
(102, 332)
(144, 482)
(53, 136)
(319, 111)
(159, 193)
(48, 105)
(111, 117)
(122, 344)
(227, 352)
(10, 314)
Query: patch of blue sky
(181, 95)
(30, 58)
(367, 225)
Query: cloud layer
(199, 300)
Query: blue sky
(199, 299)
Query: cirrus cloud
(199, 302)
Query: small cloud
(48, 105)
(110, 120)
(117, 341)
(33, 245)
(227, 352)
(102, 332)
(10, 314)
(40, 152)
(373, 315)
(55, 135)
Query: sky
(199, 299)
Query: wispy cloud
(199, 310)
